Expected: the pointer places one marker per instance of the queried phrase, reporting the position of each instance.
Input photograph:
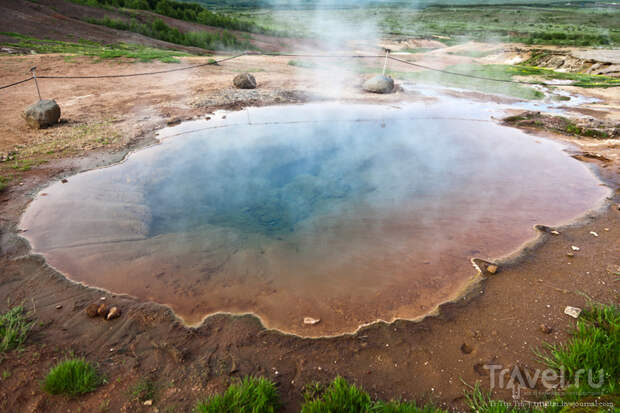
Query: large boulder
(244, 81)
(379, 84)
(42, 114)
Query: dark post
(34, 76)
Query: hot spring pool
(344, 213)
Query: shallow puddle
(344, 213)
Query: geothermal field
(283, 206)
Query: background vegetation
(191, 12)
(94, 49)
(222, 40)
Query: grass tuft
(403, 407)
(594, 346)
(481, 402)
(72, 377)
(340, 396)
(144, 390)
(250, 395)
(14, 328)
(3, 183)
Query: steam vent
(319, 222)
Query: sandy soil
(498, 323)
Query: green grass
(560, 124)
(144, 390)
(23, 165)
(4, 183)
(475, 53)
(418, 49)
(340, 396)
(481, 85)
(560, 24)
(188, 11)
(503, 72)
(301, 63)
(577, 79)
(250, 395)
(480, 401)
(72, 377)
(161, 31)
(14, 328)
(93, 49)
(594, 346)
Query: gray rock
(42, 114)
(379, 84)
(244, 81)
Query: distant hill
(306, 4)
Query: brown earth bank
(498, 323)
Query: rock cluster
(42, 114)
(102, 310)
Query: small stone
(570, 254)
(58, 306)
(42, 114)
(244, 81)
(554, 232)
(64, 181)
(148, 403)
(311, 321)
(492, 269)
(102, 310)
(594, 233)
(575, 248)
(115, 312)
(173, 121)
(572, 311)
(546, 329)
(102, 298)
(465, 349)
(91, 310)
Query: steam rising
(346, 214)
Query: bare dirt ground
(498, 323)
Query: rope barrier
(466, 74)
(313, 56)
(215, 62)
(17, 83)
